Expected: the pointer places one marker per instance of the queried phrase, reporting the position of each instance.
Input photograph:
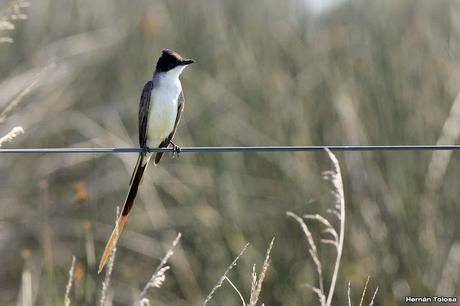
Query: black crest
(169, 60)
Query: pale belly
(163, 112)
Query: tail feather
(133, 175)
(111, 243)
(158, 157)
(136, 179)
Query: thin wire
(238, 149)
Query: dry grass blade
(329, 229)
(349, 293)
(236, 289)
(109, 268)
(254, 279)
(314, 255)
(256, 286)
(222, 279)
(373, 296)
(15, 132)
(145, 302)
(320, 219)
(336, 179)
(26, 289)
(319, 294)
(159, 276)
(69, 283)
(363, 294)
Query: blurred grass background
(267, 73)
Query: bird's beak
(187, 61)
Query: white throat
(174, 73)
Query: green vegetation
(267, 73)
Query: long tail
(136, 179)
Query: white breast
(163, 109)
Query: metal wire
(238, 149)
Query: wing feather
(144, 110)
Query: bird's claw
(176, 150)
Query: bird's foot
(176, 150)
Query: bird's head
(172, 61)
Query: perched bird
(160, 108)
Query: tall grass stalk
(158, 276)
(256, 284)
(224, 276)
(15, 132)
(69, 282)
(335, 176)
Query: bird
(160, 108)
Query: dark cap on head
(170, 59)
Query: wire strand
(237, 149)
